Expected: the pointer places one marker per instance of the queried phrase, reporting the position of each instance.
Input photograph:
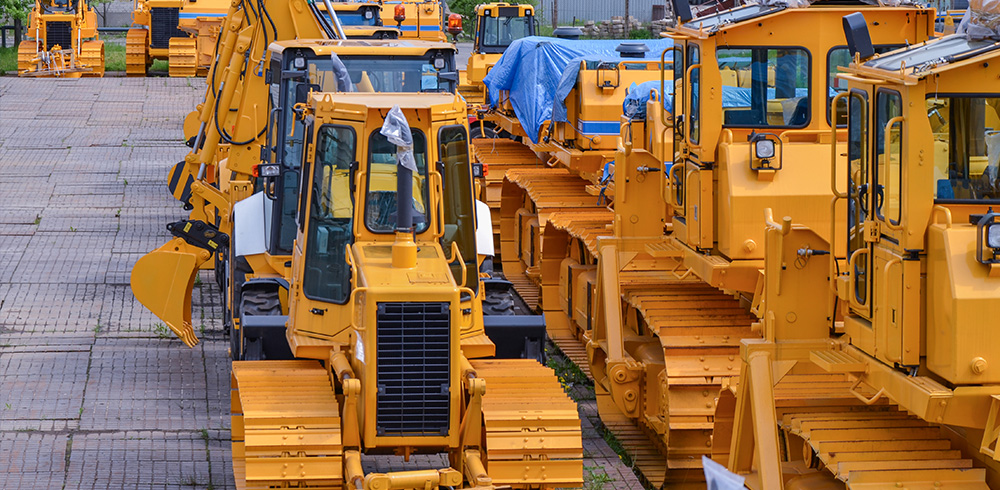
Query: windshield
(966, 147)
(364, 16)
(380, 202)
(764, 87)
(501, 31)
(385, 73)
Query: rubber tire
(498, 302)
(256, 302)
(478, 131)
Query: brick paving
(92, 395)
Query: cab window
(380, 203)
(764, 87)
(694, 111)
(327, 276)
(888, 182)
(966, 148)
(459, 206)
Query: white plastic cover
(397, 130)
(248, 226)
(992, 156)
(484, 229)
(793, 4)
(718, 477)
(981, 20)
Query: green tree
(15, 9)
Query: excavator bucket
(162, 281)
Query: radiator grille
(163, 26)
(412, 356)
(60, 33)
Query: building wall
(596, 10)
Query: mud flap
(162, 281)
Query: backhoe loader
(497, 25)
(380, 326)
(62, 41)
(416, 19)
(894, 337)
(362, 20)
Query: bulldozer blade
(162, 281)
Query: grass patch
(161, 331)
(114, 57)
(595, 478)
(8, 60)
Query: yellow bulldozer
(885, 318)
(745, 125)
(381, 317)
(62, 41)
(185, 33)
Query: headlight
(439, 63)
(764, 149)
(993, 235)
(271, 170)
(299, 63)
(368, 14)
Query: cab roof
(710, 24)
(926, 58)
(325, 47)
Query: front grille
(60, 33)
(412, 365)
(163, 26)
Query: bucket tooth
(162, 281)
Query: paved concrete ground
(93, 394)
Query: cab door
(878, 268)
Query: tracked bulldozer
(885, 317)
(185, 33)
(62, 41)
(382, 316)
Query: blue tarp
(534, 71)
(638, 95)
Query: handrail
(456, 254)
(851, 286)
(833, 146)
(670, 183)
(888, 161)
(939, 209)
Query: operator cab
(498, 25)
(300, 67)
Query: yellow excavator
(877, 363)
(62, 41)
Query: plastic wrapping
(532, 71)
(981, 20)
(718, 477)
(992, 170)
(792, 4)
(397, 130)
(341, 74)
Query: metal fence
(596, 10)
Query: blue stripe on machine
(422, 28)
(183, 15)
(599, 127)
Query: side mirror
(859, 40)
(302, 92)
(682, 9)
